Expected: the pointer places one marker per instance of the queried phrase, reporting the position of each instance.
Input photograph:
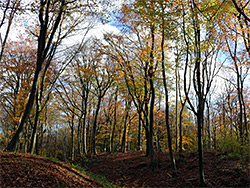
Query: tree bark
(124, 135)
(166, 96)
(95, 126)
(114, 123)
(139, 145)
(71, 124)
(208, 127)
(181, 131)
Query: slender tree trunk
(37, 142)
(72, 136)
(181, 131)
(35, 126)
(166, 96)
(200, 142)
(241, 110)
(208, 127)
(146, 98)
(176, 104)
(147, 142)
(149, 73)
(124, 135)
(214, 133)
(199, 88)
(84, 129)
(64, 149)
(34, 134)
(114, 123)
(95, 126)
(153, 162)
(84, 135)
(139, 145)
(79, 135)
(224, 120)
(112, 136)
(245, 112)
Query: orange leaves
(17, 69)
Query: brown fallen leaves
(124, 170)
(18, 170)
(132, 170)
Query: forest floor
(132, 170)
(123, 170)
(17, 170)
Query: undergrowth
(234, 149)
(99, 178)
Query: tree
(204, 56)
(111, 147)
(104, 75)
(45, 47)
(17, 66)
(240, 65)
(166, 88)
(128, 102)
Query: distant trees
(237, 43)
(17, 66)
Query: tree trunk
(176, 104)
(208, 127)
(84, 135)
(114, 123)
(214, 133)
(34, 135)
(35, 126)
(124, 135)
(166, 96)
(200, 143)
(72, 136)
(84, 129)
(147, 142)
(245, 112)
(153, 161)
(95, 126)
(181, 131)
(139, 145)
(79, 136)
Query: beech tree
(46, 47)
(203, 74)
(163, 33)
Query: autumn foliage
(171, 78)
